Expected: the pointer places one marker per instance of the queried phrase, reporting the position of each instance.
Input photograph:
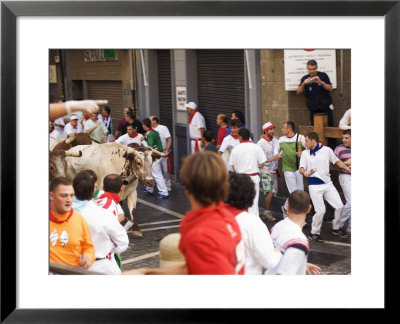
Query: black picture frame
(10, 10)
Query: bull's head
(139, 163)
(57, 163)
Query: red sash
(196, 144)
(191, 117)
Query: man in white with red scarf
(132, 136)
(248, 158)
(107, 233)
(73, 127)
(230, 142)
(268, 175)
(197, 126)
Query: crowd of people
(223, 232)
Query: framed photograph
(30, 28)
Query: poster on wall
(181, 98)
(296, 65)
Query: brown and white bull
(104, 159)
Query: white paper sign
(181, 98)
(296, 65)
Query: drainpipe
(341, 73)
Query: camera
(312, 80)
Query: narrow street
(158, 218)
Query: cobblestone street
(158, 218)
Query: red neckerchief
(191, 117)
(51, 131)
(112, 196)
(55, 220)
(267, 139)
(150, 130)
(87, 117)
(245, 141)
(134, 135)
(106, 115)
(234, 136)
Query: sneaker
(340, 232)
(284, 212)
(268, 216)
(162, 196)
(169, 188)
(147, 191)
(316, 238)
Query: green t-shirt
(154, 141)
(288, 149)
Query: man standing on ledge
(197, 126)
(317, 87)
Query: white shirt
(164, 133)
(260, 251)
(270, 149)
(344, 122)
(54, 135)
(107, 233)
(246, 157)
(197, 122)
(126, 139)
(319, 161)
(285, 235)
(60, 130)
(68, 129)
(226, 148)
(110, 205)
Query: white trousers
(164, 170)
(158, 178)
(254, 208)
(328, 192)
(106, 266)
(294, 181)
(345, 183)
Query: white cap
(267, 126)
(170, 255)
(73, 117)
(191, 105)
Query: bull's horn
(73, 154)
(159, 153)
(94, 139)
(130, 151)
(70, 139)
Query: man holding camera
(317, 87)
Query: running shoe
(316, 238)
(340, 233)
(162, 196)
(268, 216)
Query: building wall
(119, 70)
(279, 105)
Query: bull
(132, 164)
